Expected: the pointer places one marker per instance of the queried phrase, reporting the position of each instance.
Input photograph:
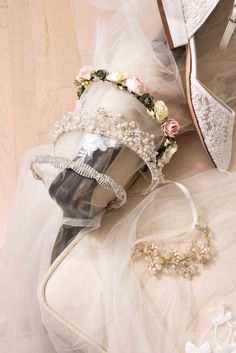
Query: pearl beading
(170, 261)
(126, 133)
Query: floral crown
(115, 127)
(135, 86)
(127, 133)
(157, 110)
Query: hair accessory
(128, 134)
(157, 110)
(84, 170)
(169, 260)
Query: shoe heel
(173, 22)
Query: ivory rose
(117, 76)
(161, 111)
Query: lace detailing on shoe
(216, 124)
(196, 12)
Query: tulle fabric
(128, 38)
(113, 303)
(32, 226)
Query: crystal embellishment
(84, 170)
(126, 133)
(159, 260)
(196, 12)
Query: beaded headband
(128, 134)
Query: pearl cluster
(171, 260)
(84, 170)
(128, 134)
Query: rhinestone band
(84, 170)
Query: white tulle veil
(129, 38)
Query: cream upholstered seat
(63, 295)
(62, 284)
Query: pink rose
(85, 73)
(171, 127)
(136, 85)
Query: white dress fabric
(32, 227)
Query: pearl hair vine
(169, 261)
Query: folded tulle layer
(128, 38)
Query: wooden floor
(39, 59)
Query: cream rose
(171, 150)
(161, 111)
(117, 76)
(136, 85)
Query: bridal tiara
(128, 134)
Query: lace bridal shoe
(206, 27)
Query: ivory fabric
(119, 324)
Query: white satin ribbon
(76, 222)
(229, 29)
(189, 198)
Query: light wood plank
(7, 142)
(38, 62)
(25, 114)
